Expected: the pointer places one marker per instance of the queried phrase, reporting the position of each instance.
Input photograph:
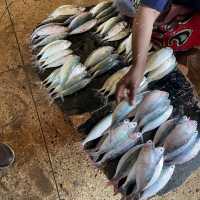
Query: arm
(142, 31)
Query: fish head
(135, 135)
(159, 151)
(192, 124)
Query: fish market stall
(151, 147)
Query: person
(174, 23)
(7, 156)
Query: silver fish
(98, 55)
(157, 58)
(164, 130)
(54, 47)
(162, 181)
(189, 144)
(187, 155)
(125, 164)
(163, 69)
(100, 7)
(180, 135)
(98, 129)
(84, 27)
(49, 39)
(158, 121)
(149, 103)
(124, 108)
(121, 148)
(109, 24)
(161, 108)
(79, 20)
(105, 12)
(121, 35)
(116, 136)
(107, 17)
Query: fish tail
(94, 155)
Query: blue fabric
(161, 4)
(158, 5)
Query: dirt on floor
(50, 164)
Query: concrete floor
(49, 162)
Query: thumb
(131, 95)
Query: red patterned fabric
(181, 34)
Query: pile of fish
(147, 156)
(180, 138)
(68, 79)
(145, 167)
(101, 60)
(159, 64)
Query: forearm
(142, 31)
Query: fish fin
(94, 155)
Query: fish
(122, 46)
(98, 130)
(79, 20)
(143, 85)
(157, 172)
(148, 159)
(71, 90)
(57, 63)
(51, 29)
(162, 181)
(77, 74)
(164, 130)
(120, 26)
(49, 39)
(123, 109)
(107, 17)
(163, 69)
(53, 48)
(105, 12)
(180, 135)
(98, 55)
(100, 7)
(84, 27)
(157, 58)
(158, 121)
(150, 102)
(104, 63)
(143, 169)
(109, 24)
(121, 35)
(120, 149)
(189, 144)
(113, 80)
(129, 44)
(187, 155)
(54, 58)
(162, 107)
(66, 10)
(125, 164)
(116, 137)
(110, 65)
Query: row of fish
(144, 169)
(70, 20)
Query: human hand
(127, 87)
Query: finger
(120, 92)
(131, 95)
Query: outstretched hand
(127, 87)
